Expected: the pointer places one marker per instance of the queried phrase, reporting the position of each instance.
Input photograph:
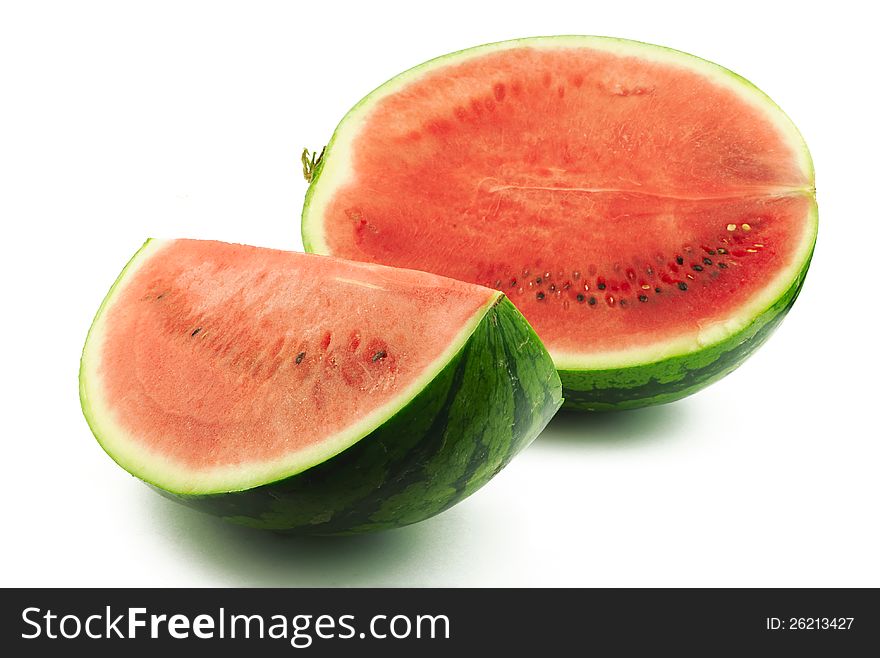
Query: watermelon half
(652, 214)
(300, 393)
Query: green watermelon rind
(632, 381)
(674, 378)
(489, 401)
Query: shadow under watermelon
(240, 556)
(245, 557)
(632, 428)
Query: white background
(120, 121)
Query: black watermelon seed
(581, 298)
(679, 260)
(711, 252)
(723, 266)
(707, 261)
(538, 280)
(300, 357)
(539, 296)
(591, 301)
(657, 290)
(379, 355)
(197, 330)
(682, 285)
(513, 283)
(623, 302)
(601, 286)
(698, 268)
(643, 298)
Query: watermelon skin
(489, 403)
(676, 377)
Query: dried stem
(310, 162)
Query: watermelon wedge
(652, 214)
(300, 393)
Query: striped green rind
(676, 377)
(490, 401)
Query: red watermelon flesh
(627, 198)
(209, 359)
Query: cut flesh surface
(634, 202)
(217, 367)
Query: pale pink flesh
(216, 354)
